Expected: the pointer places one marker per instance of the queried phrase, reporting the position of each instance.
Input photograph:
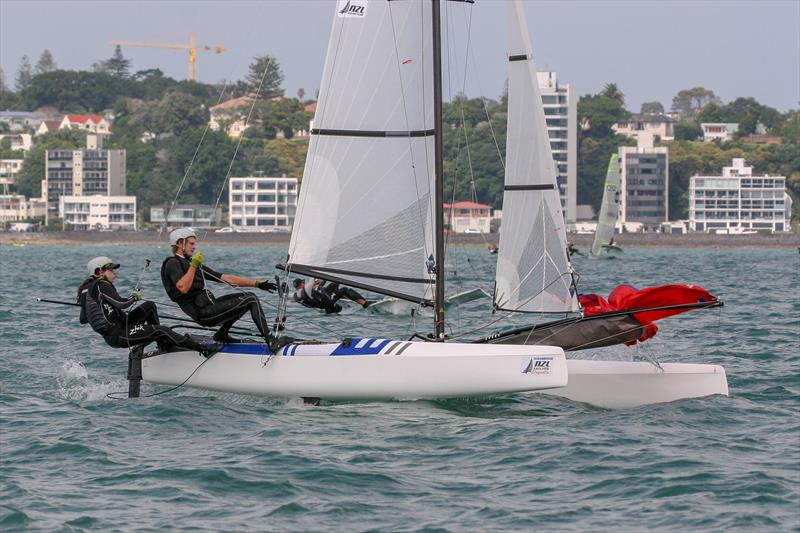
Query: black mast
(438, 300)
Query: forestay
(533, 271)
(609, 209)
(365, 208)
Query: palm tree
(612, 91)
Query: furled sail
(365, 212)
(609, 209)
(533, 271)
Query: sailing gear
(136, 294)
(102, 263)
(197, 259)
(181, 234)
(205, 308)
(266, 286)
(324, 295)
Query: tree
(690, 101)
(688, 130)
(24, 74)
(651, 108)
(265, 68)
(116, 65)
(78, 92)
(3, 86)
(603, 112)
(46, 63)
(612, 91)
(175, 113)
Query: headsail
(365, 207)
(609, 209)
(533, 271)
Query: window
(236, 198)
(236, 185)
(251, 222)
(266, 197)
(266, 185)
(266, 210)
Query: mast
(438, 300)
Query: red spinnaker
(655, 302)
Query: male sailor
(110, 315)
(184, 277)
(325, 295)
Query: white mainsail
(365, 210)
(609, 209)
(533, 271)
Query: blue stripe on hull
(369, 347)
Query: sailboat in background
(609, 212)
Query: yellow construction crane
(191, 47)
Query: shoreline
(627, 240)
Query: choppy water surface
(70, 458)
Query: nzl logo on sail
(352, 8)
(537, 366)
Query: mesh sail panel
(533, 272)
(365, 206)
(609, 209)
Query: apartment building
(262, 203)
(98, 212)
(645, 183)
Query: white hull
(367, 369)
(624, 384)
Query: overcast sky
(651, 49)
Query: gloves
(266, 286)
(136, 295)
(197, 259)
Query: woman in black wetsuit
(108, 314)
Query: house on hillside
(719, 131)
(657, 124)
(467, 217)
(21, 120)
(89, 123)
(47, 126)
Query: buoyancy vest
(91, 311)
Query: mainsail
(609, 209)
(365, 212)
(533, 271)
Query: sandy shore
(788, 240)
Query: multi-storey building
(719, 131)
(98, 212)
(645, 182)
(560, 110)
(467, 217)
(262, 203)
(93, 170)
(737, 201)
(9, 168)
(15, 207)
(187, 215)
(659, 125)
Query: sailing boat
(370, 216)
(534, 274)
(609, 212)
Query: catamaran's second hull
(625, 384)
(365, 369)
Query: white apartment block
(15, 208)
(19, 141)
(98, 212)
(656, 124)
(468, 217)
(9, 168)
(719, 131)
(93, 170)
(560, 113)
(645, 183)
(738, 201)
(262, 203)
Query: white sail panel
(365, 207)
(609, 209)
(533, 270)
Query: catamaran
(370, 215)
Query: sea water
(72, 458)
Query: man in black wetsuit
(107, 313)
(184, 277)
(325, 295)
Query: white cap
(181, 234)
(100, 262)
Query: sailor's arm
(107, 294)
(238, 281)
(185, 282)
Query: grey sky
(651, 49)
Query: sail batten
(533, 271)
(365, 198)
